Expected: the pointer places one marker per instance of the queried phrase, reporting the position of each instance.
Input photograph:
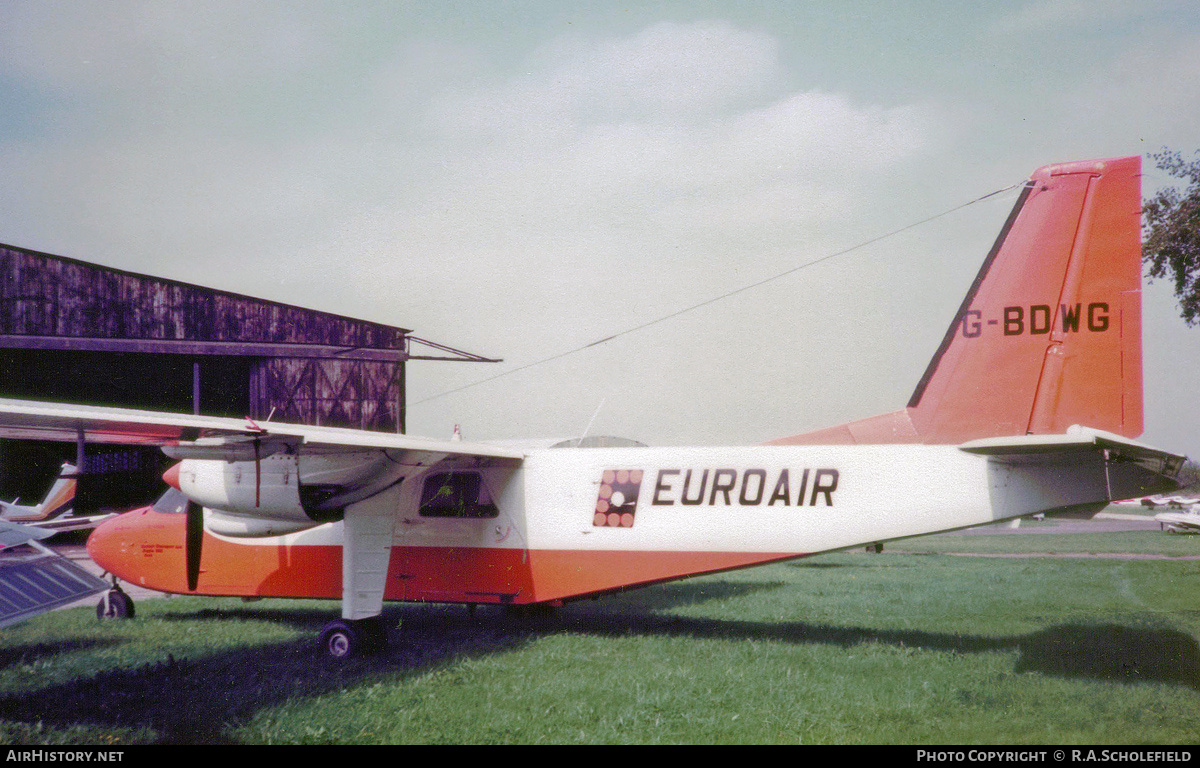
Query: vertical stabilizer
(1049, 334)
(59, 501)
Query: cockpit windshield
(173, 502)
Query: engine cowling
(250, 526)
(284, 492)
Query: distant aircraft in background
(55, 512)
(1182, 503)
(1028, 406)
(1181, 514)
(33, 578)
(1187, 521)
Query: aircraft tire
(115, 605)
(343, 639)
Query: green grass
(1151, 542)
(848, 648)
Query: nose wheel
(115, 605)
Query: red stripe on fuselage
(147, 548)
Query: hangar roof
(54, 302)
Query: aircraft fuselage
(569, 522)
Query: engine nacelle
(269, 487)
(248, 526)
(284, 492)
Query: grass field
(912, 647)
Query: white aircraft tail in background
(55, 512)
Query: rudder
(1049, 335)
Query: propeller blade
(195, 536)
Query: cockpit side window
(456, 494)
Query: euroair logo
(617, 500)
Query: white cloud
(531, 181)
(588, 130)
(607, 181)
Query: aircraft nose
(107, 544)
(142, 547)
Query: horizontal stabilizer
(1077, 438)
(233, 447)
(39, 581)
(16, 534)
(1082, 468)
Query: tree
(1171, 232)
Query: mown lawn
(894, 648)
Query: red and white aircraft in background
(1028, 407)
(55, 512)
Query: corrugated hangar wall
(71, 331)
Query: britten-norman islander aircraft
(1029, 406)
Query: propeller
(195, 536)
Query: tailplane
(1049, 334)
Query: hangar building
(76, 332)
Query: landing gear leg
(344, 639)
(115, 604)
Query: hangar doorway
(115, 477)
(212, 385)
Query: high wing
(29, 420)
(270, 478)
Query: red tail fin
(1049, 334)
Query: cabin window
(456, 494)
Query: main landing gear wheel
(344, 639)
(115, 605)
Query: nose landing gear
(115, 604)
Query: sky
(522, 179)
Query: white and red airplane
(1028, 406)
